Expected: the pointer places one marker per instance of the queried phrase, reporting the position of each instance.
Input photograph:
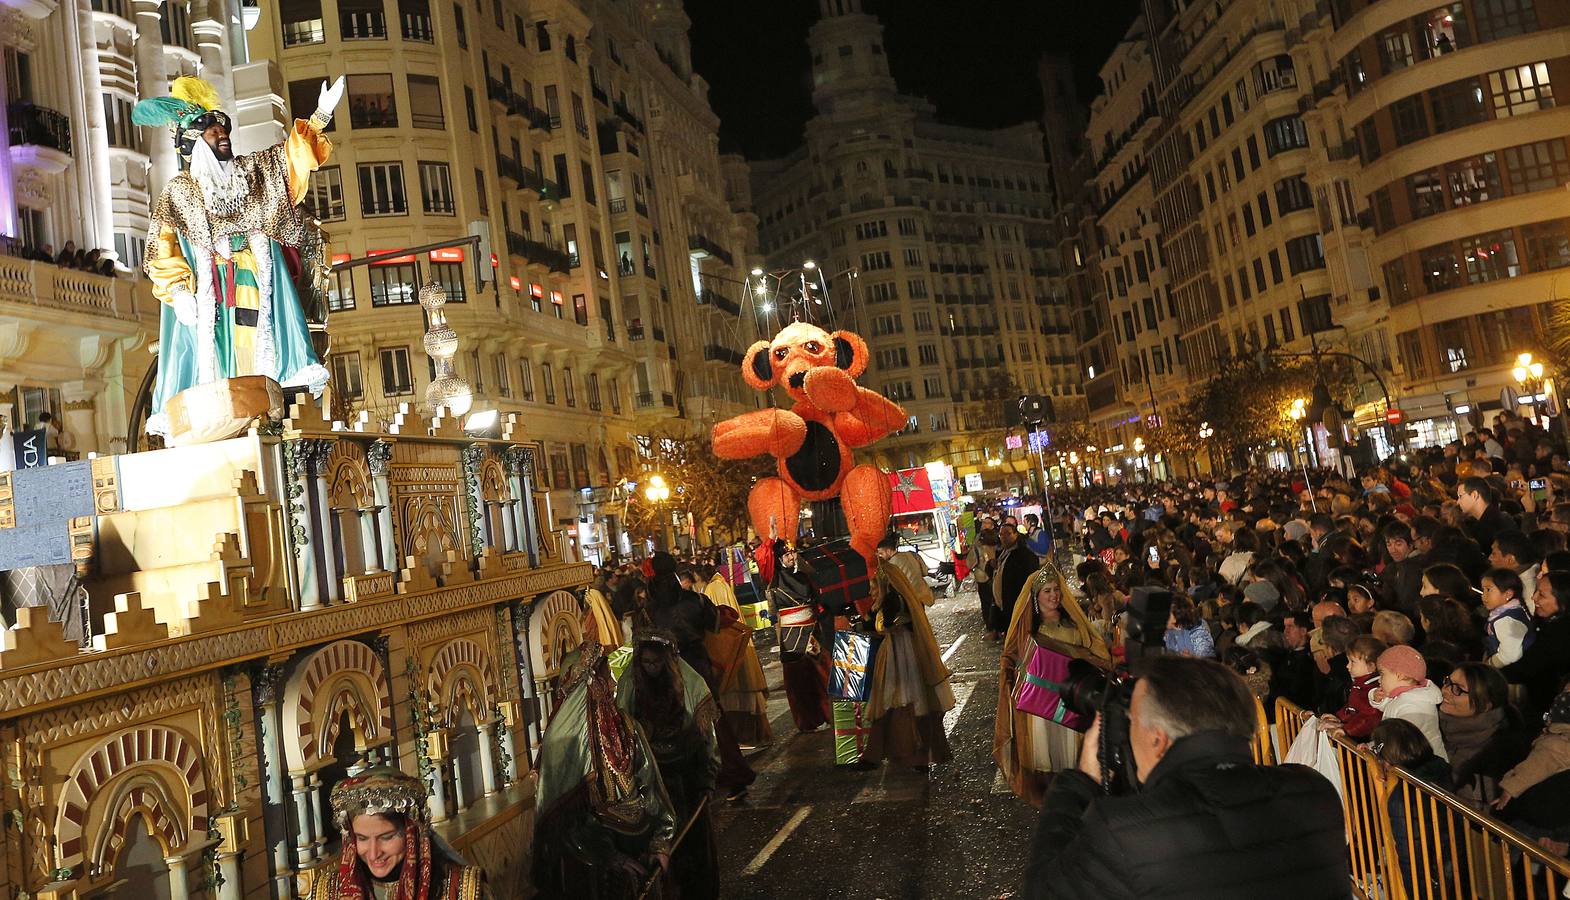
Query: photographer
(1206, 821)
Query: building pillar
(370, 540)
(438, 791)
(487, 759)
(229, 868)
(509, 528)
(152, 80)
(509, 744)
(209, 35)
(265, 694)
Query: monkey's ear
(850, 352)
(757, 368)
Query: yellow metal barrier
(1409, 840)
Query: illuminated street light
(757, 271)
(657, 491)
(1299, 409)
(809, 264)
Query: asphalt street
(809, 829)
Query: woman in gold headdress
(1028, 748)
(389, 852)
(910, 683)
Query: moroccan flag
(912, 491)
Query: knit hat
(1404, 661)
(1262, 593)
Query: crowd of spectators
(1419, 608)
(70, 256)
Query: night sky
(975, 61)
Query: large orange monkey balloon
(812, 440)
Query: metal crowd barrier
(1410, 840)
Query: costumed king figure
(812, 441)
(389, 851)
(604, 818)
(216, 248)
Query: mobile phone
(1539, 488)
(1154, 555)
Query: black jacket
(1543, 665)
(1009, 579)
(1208, 824)
(1487, 526)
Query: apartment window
(361, 20)
(425, 102)
(302, 100)
(1292, 194)
(1409, 346)
(414, 16)
(1274, 74)
(396, 377)
(1285, 133)
(580, 309)
(568, 387)
(907, 227)
(468, 108)
(542, 37)
(393, 285)
(912, 256)
(932, 386)
(502, 374)
(1263, 201)
(1286, 325)
(459, 27)
(371, 101)
(1454, 339)
(1537, 167)
(381, 190)
(561, 471)
(302, 22)
(871, 262)
(1259, 276)
(893, 358)
(117, 116)
(1503, 18)
(1490, 257)
(1305, 253)
(1426, 193)
(520, 32)
(1248, 220)
(1441, 269)
(1521, 90)
(1275, 266)
(1457, 104)
(587, 172)
(526, 380)
(1547, 244)
(480, 192)
(615, 393)
(916, 288)
(436, 188)
(927, 354)
(1242, 283)
(346, 376)
(1368, 142)
(1270, 330)
(1397, 285)
(882, 325)
(340, 291)
(1474, 180)
(450, 276)
(1409, 120)
(548, 382)
(1395, 50)
(324, 198)
(1253, 153)
(922, 319)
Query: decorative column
(509, 721)
(487, 758)
(297, 482)
(370, 539)
(305, 822)
(232, 831)
(332, 559)
(178, 883)
(509, 528)
(265, 686)
(377, 456)
(209, 35)
(318, 817)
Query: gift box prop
(619, 659)
(798, 624)
(732, 563)
(1036, 692)
(754, 608)
(850, 732)
(812, 441)
(841, 576)
(850, 666)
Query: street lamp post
(1205, 434)
(1528, 374)
(658, 493)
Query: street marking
(775, 842)
(962, 695)
(952, 647)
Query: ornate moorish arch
(495, 486)
(159, 757)
(344, 676)
(463, 676)
(138, 793)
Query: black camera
(1089, 690)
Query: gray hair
(1186, 696)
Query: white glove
(183, 304)
(328, 100)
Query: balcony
(635, 332)
(599, 93)
(34, 283)
(701, 247)
(510, 169)
(626, 115)
(618, 206)
(719, 301)
(717, 353)
(643, 400)
(538, 253)
(39, 137)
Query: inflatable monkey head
(799, 348)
